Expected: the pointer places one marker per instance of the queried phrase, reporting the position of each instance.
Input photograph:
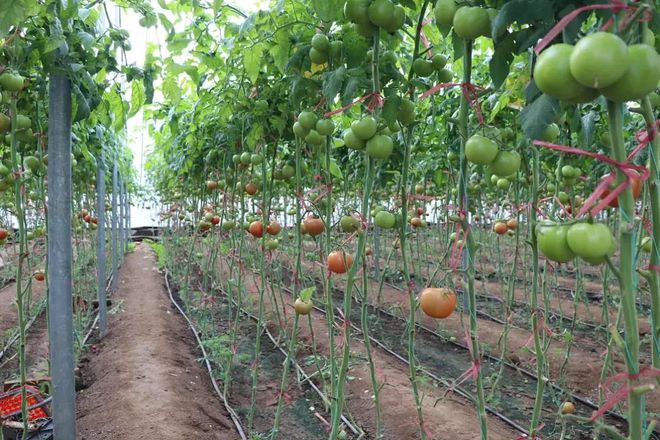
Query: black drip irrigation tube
(207, 363)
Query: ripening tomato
(636, 187)
(211, 185)
(438, 302)
(339, 261)
(313, 226)
(512, 224)
(256, 229)
(567, 408)
(39, 275)
(416, 222)
(500, 228)
(251, 188)
(215, 220)
(273, 228)
(87, 218)
(4, 234)
(303, 307)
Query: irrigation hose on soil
(229, 409)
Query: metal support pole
(100, 249)
(122, 232)
(128, 217)
(60, 256)
(115, 236)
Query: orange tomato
(251, 188)
(512, 223)
(313, 226)
(416, 222)
(339, 261)
(437, 302)
(273, 228)
(39, 275)
(211, 184)
(256, 229)
(636, 186)
(500, 228)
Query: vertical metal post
(100, 249)
(115, 249)
(122, 232)
(60, 255)
(128, 217)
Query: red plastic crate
(10, 404)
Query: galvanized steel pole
(115, 249)
(60, 255)
(100, 249)
(122, 232)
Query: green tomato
(480, 150)
(640, 79)
(444, 12)
(318, 57)
(551, 133)
(445, 75)
(380, 146)
(380, 12)
(506, 163)
(325, 127)
(471, 22)
(552, 242)
(314, 138)
(307, 120)
(256, 159)
(422, 67)
(356, 11)
(647, 244)
(5, 123)
(385, 220)
(246, 158)
(397, 20)
(438, 61)
(590, 241)
(599, 59)
(503, 183)
(11, 82)
(553, 77)
(406, 112)
(563, 197)
(352, 141)
(321, 43)
(365, 128)
(299, 130)
(349, 224)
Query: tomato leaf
(14, 12)
(137, 98)
(328, 10)
(538, 114)
(522, 12)
(333, 83)
(588, 123)
(500, 62)
(252, 61)
(307, 293)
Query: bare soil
(147, 382)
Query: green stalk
(626, 273)
(20, 216)
(654, 282)
(469, 251)
(285, 374)
(534, 303)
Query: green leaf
(252, 61)
(328, 10)
(333, 83)
(537, 115)
(14, 12)
(500, 63)
(522, 12)
(588, 123)
(439, 177)
(280, 51)
(137, 98)
(307, 293)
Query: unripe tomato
(471, 22)
(647, 244)
(480, 150)
(321, 42)
(444, 12)
(5, 123)
(406, 112)
(422, 67)
(503, 183)
(364, 128)
(303, 307)
(352, 141)
(325, 127)
(211, 184)
(272, 244)
(348, 223)
(437, 303)
(641, 77)
(380, 146)
(11, 82)
(551, 133)
(380, 12)
(246, 158)
(592, 242)
(553, 77)
(552, 242)
(385, 220)
(356, 11)
(599, 60)
(438, 61)
(307, 120)
(339, 261)
(256, 229)
(506, 163)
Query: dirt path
(147, 382)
